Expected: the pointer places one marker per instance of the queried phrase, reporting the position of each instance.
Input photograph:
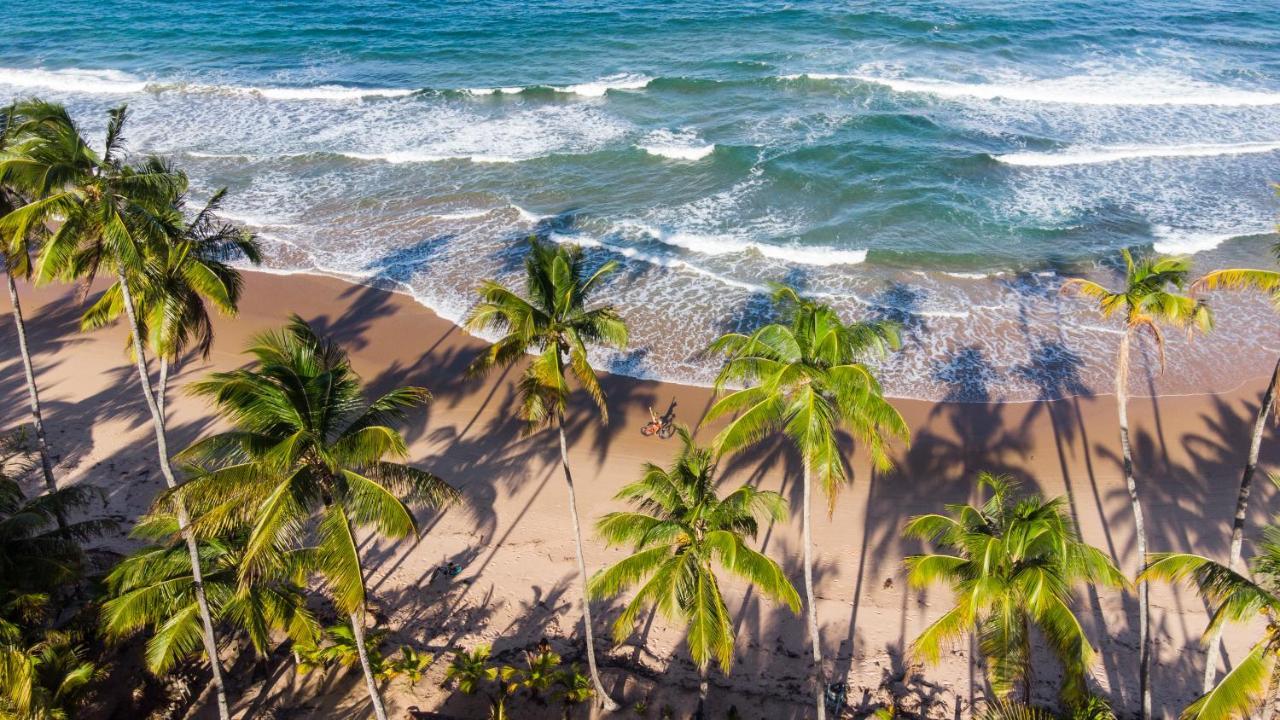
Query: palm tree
(472, 672)
(1150, 297)
(1267, 281)
(109, 214)
(805, 376)
(1011, 563)
(1255, 680)
(153, 588)
(308, 457)
(553, 323)
(15, 258)
(680, 533)
(182, 275)
(45, 680)
(36, 554)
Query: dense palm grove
(257, 538)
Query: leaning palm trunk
(162, 446)
(1242, 512)
(815, 642)
(357, 630)
(605, 700)
(1139, 526)
(37, 420)
(1272, 698)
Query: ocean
(941, 164)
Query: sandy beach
(512, 538)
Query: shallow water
(941, 164)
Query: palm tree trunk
(1242, 512)
(605, 700)
(1139, 526)
(37, 420)
(162, 385)
(815, 642)
(1272, 698)
(357, 630)
(703, 686)
(184, 522)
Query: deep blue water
(941, 163)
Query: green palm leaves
(553, 323)
(1150, 297)
(681, 533)
(181, 277)
(154, 588)
(306, 450)
(806, 377)
(307, 458)
(1011, 563)
(1237, 599)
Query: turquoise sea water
(944, 164)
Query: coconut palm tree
(552, 322)
(308, 457)
(1011, 563)
(182, 275)
(110, 215)
(1252, 688)
(681, 533)
(15, 258)
(1267, 281)
(153, 588)
(1149, 298)
(805, 376)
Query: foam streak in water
(1082, 90)
(1091, 156)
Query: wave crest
(1091, 156)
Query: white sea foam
(1183, 241)
(529, 217)
(682, 145)
(516, 90)
(464, 214)
(707, 244)
(597, 88)
(1090, 89)
(74, 80)
(664, 261)
(115, 82)
(1090, 156)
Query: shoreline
(518, 582)
(400, 288)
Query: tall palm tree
(307, 457)
(15, 257)
(1011, 563)
(805, 376)
(1267, 281)
(1252, 688)
(681, 532)
(153, 588)
(182, 275)
(112, 215)
(1150, 297)
(553, 323)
